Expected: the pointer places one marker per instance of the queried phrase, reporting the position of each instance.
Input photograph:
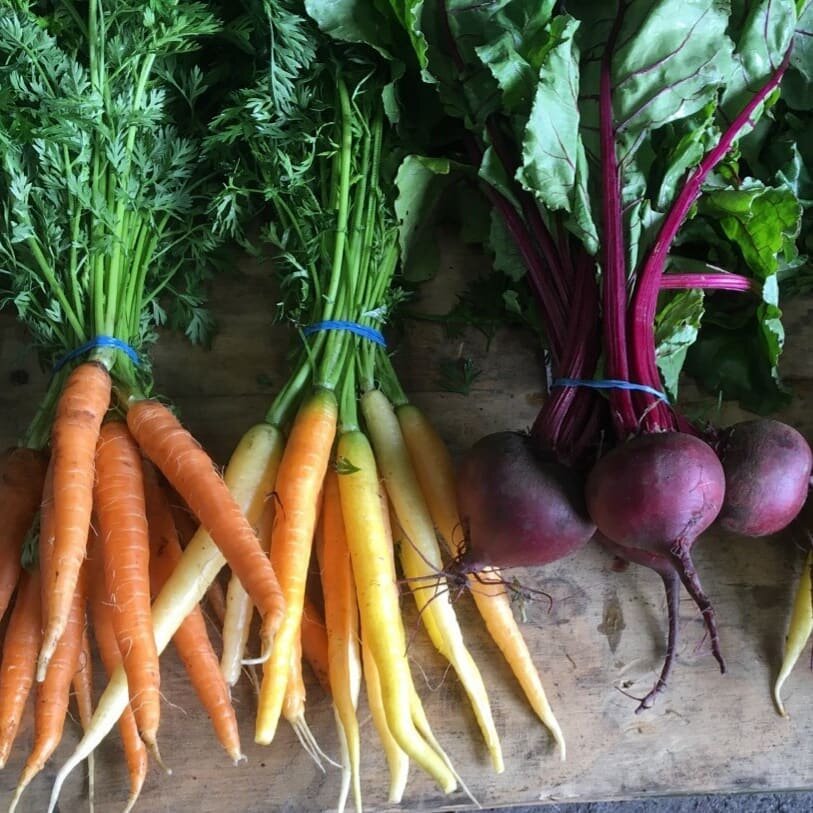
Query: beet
(518, 508)
(651, 498)
(656, 490)
(767, 468)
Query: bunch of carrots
(348, 428)
(103, 204)
(309, 477)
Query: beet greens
(655, 493)
(614, 145)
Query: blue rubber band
(97, 341)
(369, 333)
(610, 384)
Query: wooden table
(604, 632)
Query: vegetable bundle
(312, 142)
(103, 195)
(600, 131)
(622, 153)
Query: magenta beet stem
(711, 282)
(645, 297)
(614, 280)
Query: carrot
(185, 522)
(341, 620)
(125, 549)
(83, 690)
(421, 560)
(435, 472)
(135, 752)
(21, 481)
(191, 640)
(20, 648)
(799, 630)
(371, 555)
(191, 473)
(216, 599)
(53, 693)
(397, 760)
(83, 681)
(186, 526)
(79, 413)
(299, 481)
(45, 541)
(247, 478)
(293, 706)
(239, 608)
(314, 643)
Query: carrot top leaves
(102, 196)
(309, 140)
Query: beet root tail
(672, 585)
(691, 581)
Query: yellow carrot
(341, 621)
(397, 760)
(799, 631)
(421, 560)
(377, 592)
(435, 472)
(239, 608)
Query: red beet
(767, 472)
(651, 498)
(517, 507)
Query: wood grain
(604, 632)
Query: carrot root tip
(131, 802)
(257, 661)
(152, 746)
(18, 791)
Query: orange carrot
(21, 480)
(191, 640)
(298, 486)
(83, 681)
(293, 706)
(216, 599)
(249, 479)
(83, 690)
(79, 414)
(314, 643)
(20, 649)
(190, 471)
(46, 539)
(135, 752)
(125, 549)
(53, 693)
